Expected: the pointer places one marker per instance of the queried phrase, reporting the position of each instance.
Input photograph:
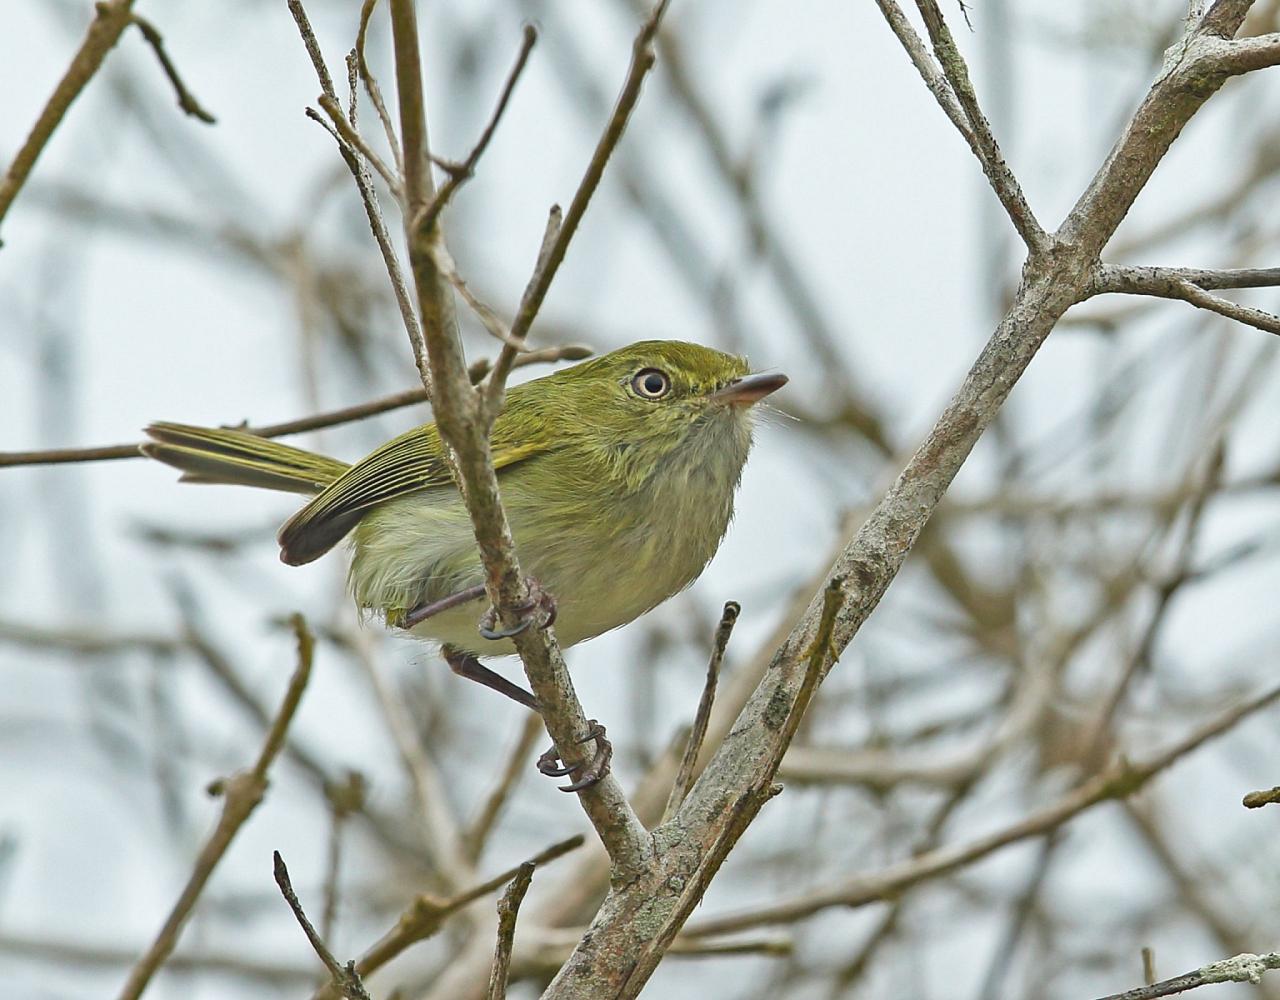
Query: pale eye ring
(651, 383)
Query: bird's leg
(418, 615)
(467, 665)
(584, 775)
(540, 608)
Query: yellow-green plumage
(616, 501)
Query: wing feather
(410, 463)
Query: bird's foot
(539, 609)
(584, 775)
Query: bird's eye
(651, 383)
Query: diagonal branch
(464, 426)
(344, 977)
(933, 79)
(614, 958)
(426, 914)
(981, 139)
(460, 173)
(1246, 968)
(1117, 782)
(241, 794)
(549, 260)
(508, 909)
(109, 22)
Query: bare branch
(371, 85)
(982, 140)
(345, 978)
(508, 909)
(615, 957)
(460, 173)
(1244, 968)
(1127, 277)
(549, 262)
(1117, 782)
(347, 130)
(110, 20)
(1179, 283)
(464, 426)
(427, 914)
(241, 794)
(934, 80)
(186, 100)
(693, 747)
(368, 196)
(1245, 55)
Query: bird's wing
(410, 463)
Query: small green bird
(617, 476)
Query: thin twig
(1118, 781)
(186, 100)
(344, 977)
(241, 794)
(355, 140)
(642, 60)
(427, 914)
(693, 746)
(477, 832)
(489, 319)
(1190, 284)
(933, 79)
(358, 166)
(371, 85)
(1246, 968)
(508, 909)
(460, 173)
(981, 139)
(331, 418)
(464, 426)
(110, 20)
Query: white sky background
(874, 193)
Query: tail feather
(238, 458)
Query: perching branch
(241, 794)
(464, 425)
(1116, 782)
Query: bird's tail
(223, 455)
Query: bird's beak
(749, 390)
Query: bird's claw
(584, 775)
(539, 609)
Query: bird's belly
(421, 549)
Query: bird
(617, 476)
